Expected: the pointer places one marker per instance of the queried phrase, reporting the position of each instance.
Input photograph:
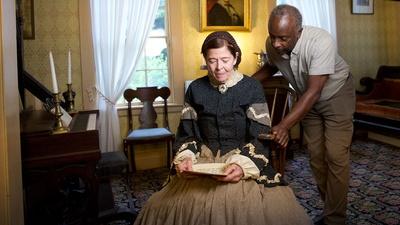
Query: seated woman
(223, 114)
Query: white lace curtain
(316, 13)
(119, 29)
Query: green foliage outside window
(152, 69)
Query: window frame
(175, 57)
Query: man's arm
(265, 72)
(300, 109)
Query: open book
(212, 169)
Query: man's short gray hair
(283, 10)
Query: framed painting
(27, 9)
(229, 15)
(362, 7)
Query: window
(316, 13)
(153, 67)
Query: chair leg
(169, 143)
(274, 157)
(126, 152)
(301, 136)
(128, 148)
(133, 158)
(282, 160)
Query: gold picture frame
(28, 17)
(229, 15)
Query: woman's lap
(206, 201)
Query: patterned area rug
(374, 196)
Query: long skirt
(205, 201)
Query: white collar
(232, 81)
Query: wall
(57, 30)
(368, 41)
(392, 31)
(249, 42)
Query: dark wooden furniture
(65, 177)
(108, 212)
(114, 164)
(59, 171)
(148, 130)
(378, 106)
(280, 98)
(59, 179)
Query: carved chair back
(148, 115)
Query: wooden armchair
(280, 98)
(148, 131)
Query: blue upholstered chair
(148, 130)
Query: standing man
(307, 57)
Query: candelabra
(58, 127)
(261, 57)
(69, 97)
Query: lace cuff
(249, 168)
(183, 155)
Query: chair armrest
(266, 136)
(369, 83)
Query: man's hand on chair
(280, 135)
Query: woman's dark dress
(222, 126)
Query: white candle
(69, 67)
(53, 74)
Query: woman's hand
(185, 165)
(234, 174)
